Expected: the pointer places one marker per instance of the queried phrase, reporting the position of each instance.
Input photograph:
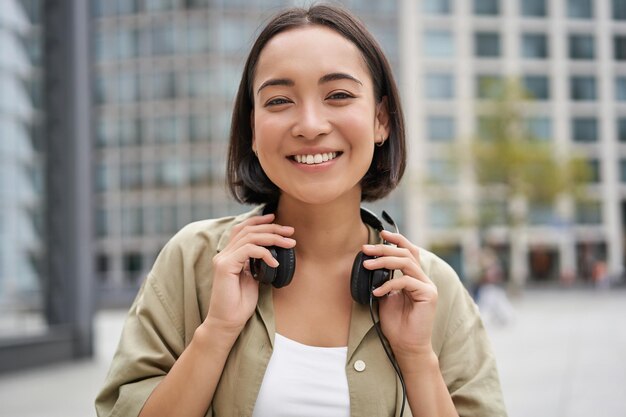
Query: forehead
(309, 49)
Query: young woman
(317, 129)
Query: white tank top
(304, 381)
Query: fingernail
(369, 246)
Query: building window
(493, 212)
(619, 46)
(198, 37)
(439, 86)
(128, 43)
(583, 88)
(488, 128)
(132, 221)
(103, 177)
(441, 128)
(622, 170)
(487, 44)
(131, 176)
(540, 214)
(580, 9)
(487, 7)
(438, 44)
(168, 129)
(158, 86)
(162, 39)
(105, 46)
(620, 88)
(589, 212)
(128, 88)
(585, 129)
(581, 47)
(489, 86)
(166, 219)
(132, 263)
(102, 266)
(199, 128)
(442, 171)
(106, 133)
(129, 132)
(170, 173)
(199, 171)
(443, 214)
(437, 6)
(619, 9)
(538, 86)
(534, 45)
(539, 128)
(534, 8)
(102, 222)
(594, 170)
(621, 129)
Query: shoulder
(438, 270)
(455, 306)
(190, 251)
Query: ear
(382, 123)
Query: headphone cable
(392, 359)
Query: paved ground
(563, 356)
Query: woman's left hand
(408, 303)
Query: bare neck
(324, 231)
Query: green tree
(509, 162)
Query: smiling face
(315, 118)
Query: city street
(564, 355)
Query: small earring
(381, 143)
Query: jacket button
(359, 366)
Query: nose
(311, 122)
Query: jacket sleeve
(150, 343)
(159, 324)
(466, 360)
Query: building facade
(21, 170)
(571, 56)
(166, 73)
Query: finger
(408, 266)
(264, 239)
(401, 241)
(250, 250)
(386, 250)
(262, 228)
(415, 289)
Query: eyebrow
(333, 76)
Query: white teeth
(315, 159)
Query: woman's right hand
(235, 292)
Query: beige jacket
(174, 300)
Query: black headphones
(362, 281)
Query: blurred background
(114, 120)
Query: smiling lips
(317, 158)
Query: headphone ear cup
(360, 279)
(363, 281)
(261, 271)
(287, 260)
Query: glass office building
(22, 200)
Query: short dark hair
(246, 179)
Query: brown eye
(277, 101)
